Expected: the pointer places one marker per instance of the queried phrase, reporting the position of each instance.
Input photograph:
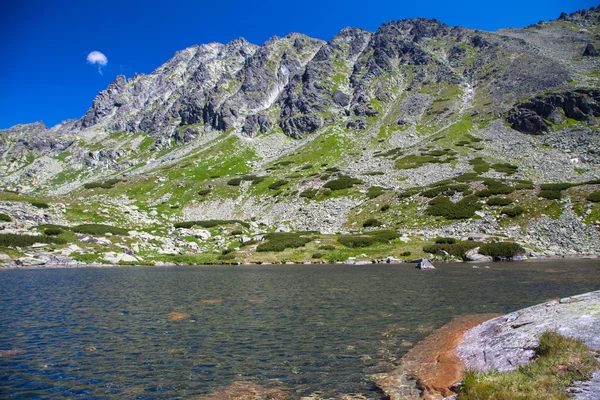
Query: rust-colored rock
(211, 301)
(431, 368)
(177, 316)
(245, 391)
(12, 352)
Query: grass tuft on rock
(562, 362)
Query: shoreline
(14, 266)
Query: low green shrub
(279, 241)
(405, 253)
(342, 182)
(317, 255)
(521, 184)
(368, 239)
(253, 178)
(375, 173)
(501, 250)
(498, 187)
(109, 184)
(40, 204)
(506, 168)
(468, 177)
(445, 240)
(5, 218)
(479, 165)
(372, 222)
(443, 207)
(210, 223)
(99, 229)
(309, 193)
(227, 256)
(53, 231)
(375, 191)
(234, 182)
(236, 232)
(556, 186)
(204, 192)
(550, 194)
(384, 208)
(326, 247)
(249, 242)
(276, 185)
(13, 240)
(457, 249)
(513, 211)
(498, 201)
(594, 197)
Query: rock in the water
(424, 263)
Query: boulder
(508, 341)
(423, 263)
(473, 255)
(590, 51)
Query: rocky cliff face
(261, 131)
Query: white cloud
(95, 57)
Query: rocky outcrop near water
(504, 343)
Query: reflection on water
(179, 332)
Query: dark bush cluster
(276, 185)
(5, 218)
(513, 211)
(204, 192)
(479, 165)
(210, 223)
(40, 204)
(594, 197)
(234, 182)
(279, 241)
(390, 153)
(443, 207)
(502, 250)
(99, 229)
(342, 182)
(375, 191)
(326, 247)
(405, 253)
(253, 178)
(468, 177)
(457, 249)
(506, 168)
(445, 240)
(109, 184)
(309, 193)
(498, 201)
(550, 194)
(368, 239)
(445, 189)
(372, 222)
(53, 231)
(13, 240)
(317, 255)
(384, 208)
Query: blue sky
(44, 44)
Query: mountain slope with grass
(415, 131)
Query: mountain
(416, 130)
